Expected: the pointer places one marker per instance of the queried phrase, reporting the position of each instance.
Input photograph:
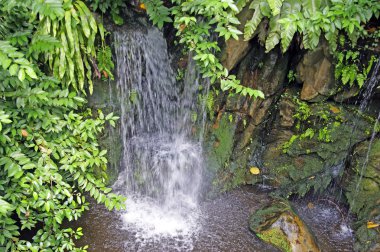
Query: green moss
(276, 237)
(219, 143)
(223, 137)
(261, 221)
(363, 195)
(266, 216)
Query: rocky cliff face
(307, 135)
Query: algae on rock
(280, 226)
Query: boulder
(316, 72)
(346, 94)
(234, 50)
(280, 226)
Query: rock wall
(305, 136)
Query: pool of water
(220, 224)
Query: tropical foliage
(311, 19)
(109, 6)
(194, 20)
(274, 22)
(50, 160)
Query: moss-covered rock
(280, 226)
(105, 98)
(362, 189)
(277, 238)
(311, 151)
(219, 143)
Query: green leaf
(21, 74)
(275, 6)
(311, 6)
(29, 166)
(29, 71)
(13, 169)
(47, 206)
(84, 21)
(13, 69)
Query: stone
(316, 72)
(346, 94)
(280, 226)
(287, 110)
(233, 50)
(361, 185)
(265, 72)
(297, 165)
(106, 98)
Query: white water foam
(154, 222)
(162, 165)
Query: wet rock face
(266, 72)
(316, 72)
(287, 110)
(235, 50)
(105, 97)
(310, 153)
(280, 226)
(363, 194)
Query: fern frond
(262, 10)
(310, 7)
(274, 34)
(241, 4)
(275, 6)
(49, 8)
(251, 25)
(289, 28)
(43, 44)
(289, 24)
(332, 37)
(311, 37)
(290, 7)
(210, 101)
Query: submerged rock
(280, 226)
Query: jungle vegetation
(50, 52)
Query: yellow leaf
(334, 109)
(142, 6)
(254, 170)
(371, 224)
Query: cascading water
(161, 166)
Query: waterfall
(161, 168)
